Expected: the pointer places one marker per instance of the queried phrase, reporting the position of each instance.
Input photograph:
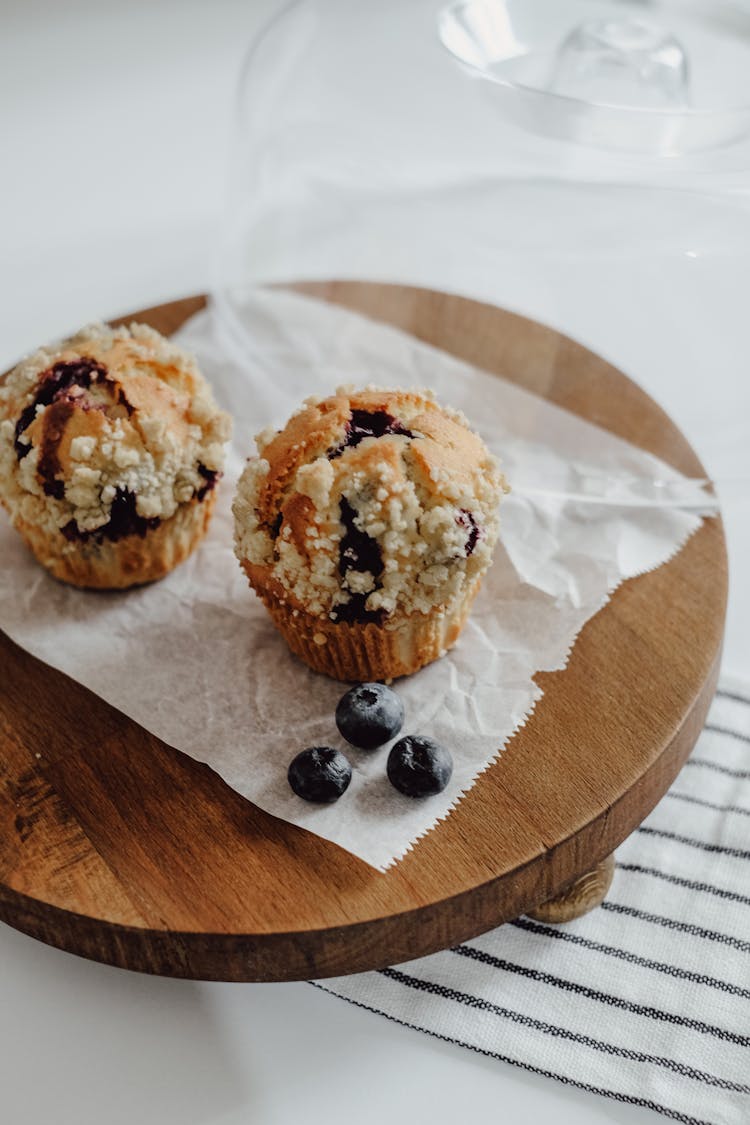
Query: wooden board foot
(587, 892)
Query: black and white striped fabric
(647, 999)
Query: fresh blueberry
(419, 767)
(320, 774)
(369, 715)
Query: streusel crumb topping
(368, 504)
(108, 433)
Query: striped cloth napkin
(647, 999)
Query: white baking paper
(195, 659)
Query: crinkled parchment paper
(195, 660)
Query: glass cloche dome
(586, 164)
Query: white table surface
(113, 136)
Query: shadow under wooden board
(116, 847)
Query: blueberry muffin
(111, 446)
(365, 526)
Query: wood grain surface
(117, 847)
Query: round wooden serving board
(119, 848)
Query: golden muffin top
(112, 428)
(366, 503)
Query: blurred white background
(114, 126)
